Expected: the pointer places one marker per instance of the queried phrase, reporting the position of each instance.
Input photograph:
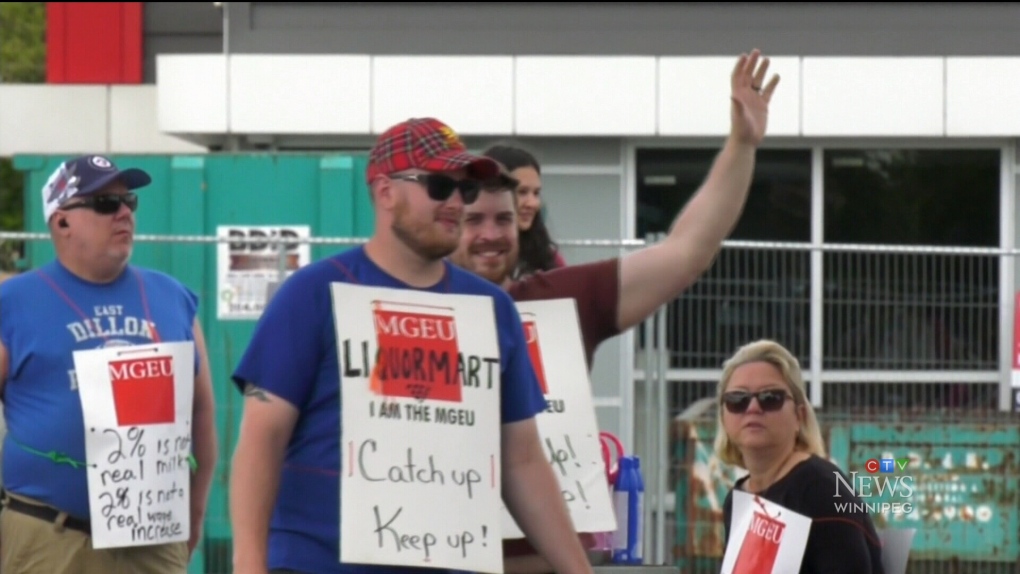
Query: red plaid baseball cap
(427, 144)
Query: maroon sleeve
(594, 286)
(560, 261)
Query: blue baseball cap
(85, 175)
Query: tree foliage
(22, 61)
(23, 42)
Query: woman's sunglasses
(770, 401)
(105, 204)
(441, 187)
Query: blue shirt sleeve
(5, 316)
(521, 394)
(191, 301)
(286, 348)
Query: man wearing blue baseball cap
(89, 297)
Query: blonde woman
(767, 426)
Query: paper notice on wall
(248, 273)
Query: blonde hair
(809, 437)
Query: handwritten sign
(765, 538)
(136, 403)
(420, 388)
(568, 429)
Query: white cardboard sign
(568, 429)
(765, 538)
(137, 405)
(896, 544)
(420, 433)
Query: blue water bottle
(628, 503)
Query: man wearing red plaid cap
(285, 489)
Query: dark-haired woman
(538, 252)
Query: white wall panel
(495, 96)
(472, 94)
(305, 94)
(580, 95)
(694, 96)
(192, 93)
(133, 125)
(873, 97)
(982, 97)
(40, 118)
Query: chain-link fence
(907, 352)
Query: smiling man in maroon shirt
(616, 294)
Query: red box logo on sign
(143, 391)
(418, 356)
(531, 335)
(758, 552)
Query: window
(748, 293)
(919, 310)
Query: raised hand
(749, 109)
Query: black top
(839, 542)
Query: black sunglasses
(106, 204)
(441, 187)
(770, 400)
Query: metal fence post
(651, 366)
(662, 436)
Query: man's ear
(383, 193)
(58, 223)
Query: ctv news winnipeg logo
(885, 488)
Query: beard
(496, 271)
(427, 239)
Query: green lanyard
(61, 458)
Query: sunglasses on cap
(105, 204)
(770, 400)
(441, 187)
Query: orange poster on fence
(418, 353)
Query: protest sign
(896, 544)
(568, 429)
(137, 405)
(765, 538)
(420, 389)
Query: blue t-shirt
(41, 330)
(293, 355)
